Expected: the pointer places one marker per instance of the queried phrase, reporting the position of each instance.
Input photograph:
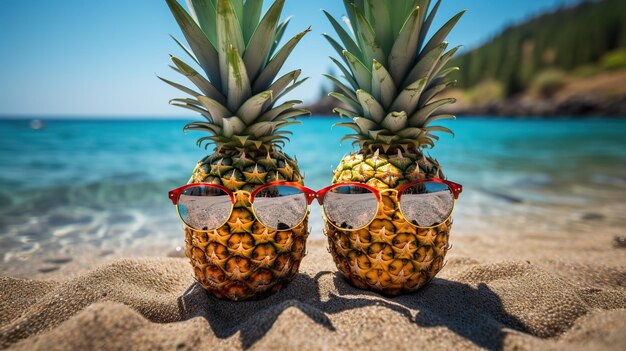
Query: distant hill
(571, 61)
(584, 37)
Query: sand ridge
(153, 303)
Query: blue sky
(82, 58)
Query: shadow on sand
(475, 314)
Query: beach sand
(557, 291)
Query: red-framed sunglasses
(281, 205)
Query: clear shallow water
(79, 187)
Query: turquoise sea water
(99, 187)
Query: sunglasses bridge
(243, 193)
(381, 192)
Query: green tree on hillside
(564, 39)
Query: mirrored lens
(427, 204)
(350, 207)
(280, 207)
(204, 207)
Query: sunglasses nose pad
(315, 196)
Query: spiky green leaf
(443, 74)
(426, 25)
(260, 129)
(370, 106)
(289, 114)
(350, 5)
(439, 129)
(251, 16)
(346, 100)
(435, 118)
(180, 87)
(410, 133)
(419, 118)
(238, 82)
(233, 126)
(346, 73)
(291, 87)
(361, 74)
(251, 109)
(407, 99)
(404, 50)
(395, 121)
(338, 48)
(185, 49)
(344, 112)
(258, 49)
(345, 38)
(194, 108)
(228, 35)
(370, 46)
(276, 63)
(350, 125)
(204, 51)
(273, 113)
(217, 111)
(364, 123)
(426, 64)
(443, 32)
(424, 5)
(278, 36)
(399, 12)
(341, 86)
(203, 12)
(383, 87)
(192, 102)
(283, 82)
(444, 60)
(198, 80)
(432, 91)
(204, 126)
(378, 14)
(238, 7)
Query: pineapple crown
(239, 54)
(393, 72)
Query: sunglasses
(424, 203)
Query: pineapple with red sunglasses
(236, 45)
(394, 71)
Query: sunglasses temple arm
(173, 197)
(458, 189)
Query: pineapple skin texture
(244, 260)
(390, 256)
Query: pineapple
(238, 51)
(393, 75)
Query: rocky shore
(572, 106)
(580, 105)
